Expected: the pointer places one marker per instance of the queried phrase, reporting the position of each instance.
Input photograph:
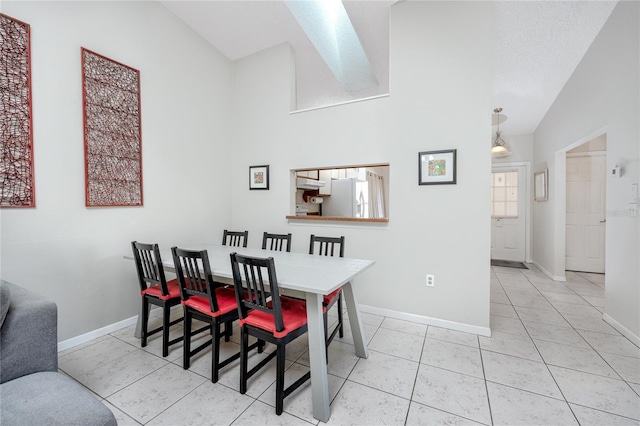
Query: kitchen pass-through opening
(353, 193)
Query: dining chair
(204, 300)
(235, 238)
(330, 246)
(267, 316)
(155, 290)
(276, 241)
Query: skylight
(329, 29)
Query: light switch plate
(633, 210)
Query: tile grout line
(541, 357)
(415, 380)
(425, 337)
(484, 374)
(587, 342)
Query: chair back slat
(194, 275)
(148, 265)
(256, 286)
(276, 242)
(235, 238)
(327, 245)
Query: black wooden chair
(267, 316)
(276, 241)
(330, 246)
(204, 300)
(155, 290)
(235, 238)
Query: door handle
(603, 221)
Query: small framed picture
(540, 185)
(259, 177)
(437, 167)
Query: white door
(586, 179)
(508, 196)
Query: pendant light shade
(498, 149)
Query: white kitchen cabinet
(325, 176)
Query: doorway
(509, 212)
(586, 207)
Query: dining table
(307, 276)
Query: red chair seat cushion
(226, 302)
(294, 316)
(328, 299)
(156, 291)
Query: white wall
(602, 95)
(440, 77)
(73, 254)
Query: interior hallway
(550, 361)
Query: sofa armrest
(29, 335)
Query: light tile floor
(550, 361)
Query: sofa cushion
(29, 335)
(51, 398)
(5, 300)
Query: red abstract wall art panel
(16, 121)
(112, 132)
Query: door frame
(560, 207)
(527, 200)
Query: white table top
(295, 271)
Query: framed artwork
(112, 132)
(540, 186)
(259, 177)
(437, 167)
(16, 157)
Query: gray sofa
(32, 391)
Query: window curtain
(376, 196)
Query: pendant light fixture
(498, 149)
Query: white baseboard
(84, 338)
(622, 329)
(452, 325)
(549, 274)
(87, 337)
(467, 328)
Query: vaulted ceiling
(536, 47)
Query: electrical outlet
(431, 280)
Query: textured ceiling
(536, 47)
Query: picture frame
(258, 177)
(16, 133)
(437, 167)
(112, 121)
(541, 185)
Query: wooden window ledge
(338, 219)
